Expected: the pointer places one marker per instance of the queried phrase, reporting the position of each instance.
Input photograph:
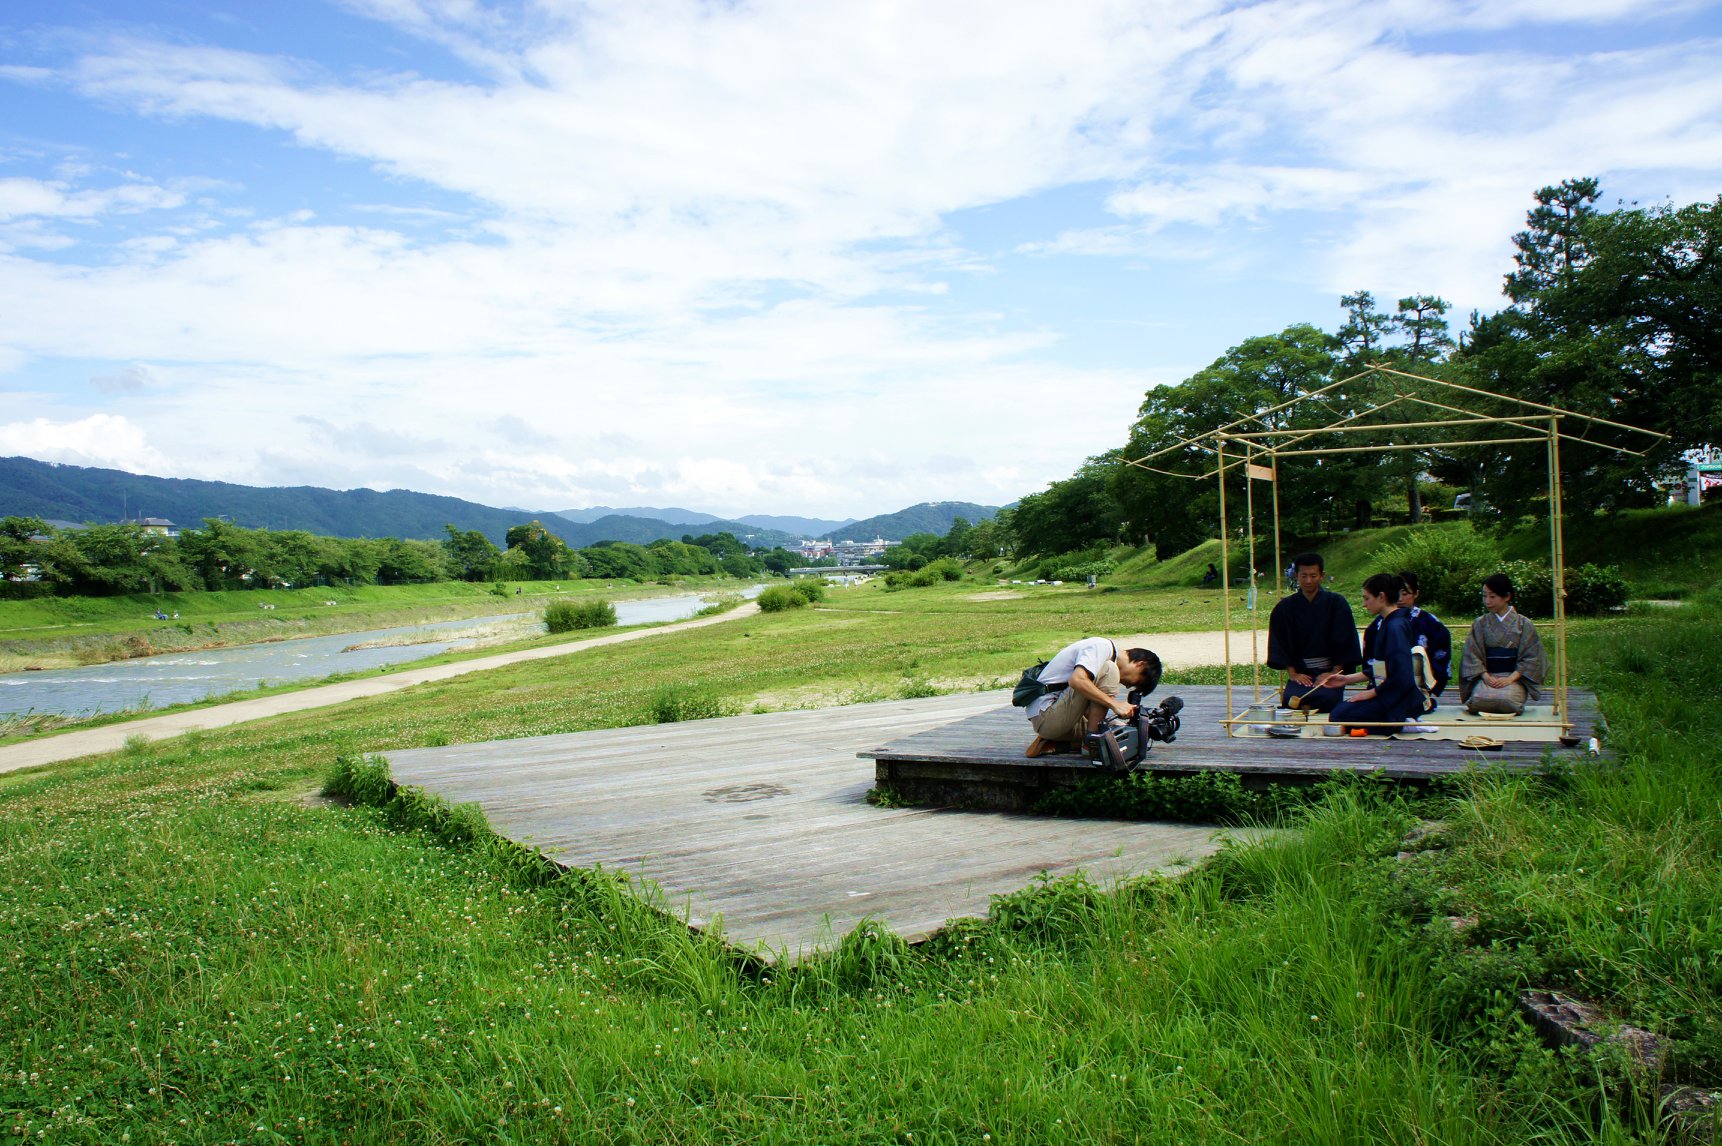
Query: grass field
(196, 950)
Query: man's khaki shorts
(1067, 718)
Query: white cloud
(131, 380)
(38, 198)
(103, 440)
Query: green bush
(810, 589)
(1199, 797)
(947, 568)
(564, 616)
(1450, 562)
(1591, 589)
(1078, 571)
(674, 703)
(780, 597)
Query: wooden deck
(760, 820)
(978, 761)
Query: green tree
(222, 554)
(1615, 314)
(124, 558)
(1242, 386)
(1364, 334)
(471, 554)
(1554, 245)
(546, 553)
(412, 562)
(1072, 514)
(620, 559)
(956, 542)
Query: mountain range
(30, 488)
(803, 526)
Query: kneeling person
(1082, 684)
(1311, 635)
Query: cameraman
(1082, 683)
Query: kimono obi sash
(1502, 661)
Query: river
(180, 678)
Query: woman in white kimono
(1503, 666)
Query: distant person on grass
(1311, 634)
(1082, 684)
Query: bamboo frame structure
(1535, 421)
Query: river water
(179, 678)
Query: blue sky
(783, 257)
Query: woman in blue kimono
(1426, 630)
(1394, 699)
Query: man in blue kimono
(1310, 634)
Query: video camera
(1120, 745)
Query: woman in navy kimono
(1426, 630)
(1394, 699)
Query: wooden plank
(760, 820)
(996, 739)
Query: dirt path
(1195, 650)
(1176, 650)
(87, 742)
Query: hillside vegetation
(1668, 552)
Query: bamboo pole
(1277, 558)
(1304, 434)
(1481, 420)
(1255, 592)
(1225, 578)
(1520, 401)
(1557, 540)
(1513, 421)
(1260, 414)
(1403, 446)
(1477, 725)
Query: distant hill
(928, 517)
(798, 526)
(672, 515)
(803, 526)
(29, 488)
(645, 530)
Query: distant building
(852, 552)
(160, 525)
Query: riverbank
(73, 632)
(133, 732)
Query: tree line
(102, 560)
(1614, 313)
